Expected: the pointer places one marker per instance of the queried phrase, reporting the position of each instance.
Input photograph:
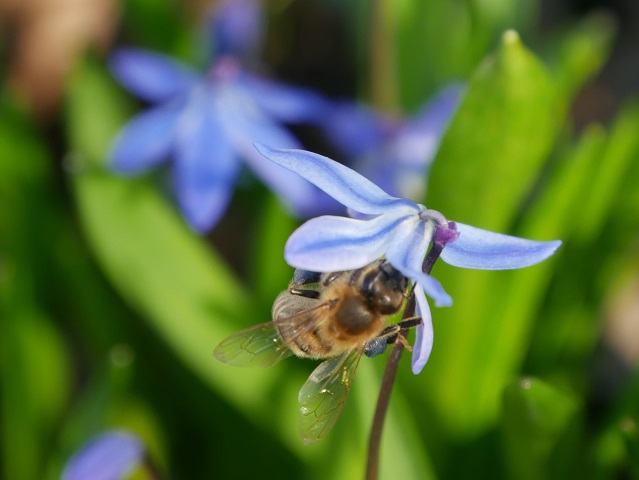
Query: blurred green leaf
(630, 433)
(106, 403)
(35, 388)
(270, 274)
(95, 110)
(622, 150)
(35, 370)
(540, 428)
(173, 278)
(599, 229)
(582, 53)
(432, 52)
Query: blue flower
(237, 28)
(394, 154)
(396, 228)
(109, 456)
(207, 123)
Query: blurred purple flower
(396, 228)
(110, 456)
(207, 124)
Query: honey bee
(336, 317)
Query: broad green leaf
(497, 142)
(490, 158)
(540, 428)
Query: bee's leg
(389, 335)
(410, 322)
(393, 331)
(303, 292)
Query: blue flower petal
(110, 456)
(237, 28)
(406, 253)
(484, 250)
(206, 167)
(244, 125)
(355, 129)
(151, 76)
(285, 103)
(146, 140)
(340, 182)
(303, 198)
(423, 333)
(432, 119)
(327, 244)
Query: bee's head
(384, 288)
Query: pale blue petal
(423, 333)
(327, 244)
(484, 250)
(302, 198)
(206, 167)
(110, 456)
(146, 140)
(407, 252)
(285, 103)
(151, 76)
(340, 182)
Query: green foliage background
(110, 306)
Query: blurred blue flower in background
(394, 154)
(208, 122)
(110, 456)
(396, 228)
(236, 28)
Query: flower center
(446, 231)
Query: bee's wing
(324, 394)
(262, 345)
(257, 346)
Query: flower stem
(375, 439)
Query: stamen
(434, 216)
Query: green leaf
(270, 274)
(490, 158)
(95, 110)
(622, 150)
(495, 146)
(171, 277)
(540, 427)
(35, 388)
(440, 41)
(583, 52)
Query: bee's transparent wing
(258, 346)
(262, 345)
(324, 394)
